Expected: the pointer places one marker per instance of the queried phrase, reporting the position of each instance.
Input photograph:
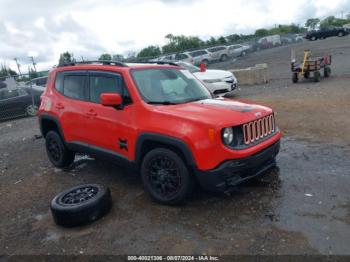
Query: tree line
(180, 43)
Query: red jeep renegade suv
(159, 119)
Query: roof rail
(161, 63)
(103, 62)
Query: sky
(45, 28)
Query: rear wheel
(317, 76)
(59, 155)
(243, 53)
(223, 58)
(166, 177)
(31, 110)
(313, 38)
(340, 34)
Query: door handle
(59, 106)
(91, 113)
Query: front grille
(258, 129)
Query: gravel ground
(301, 207)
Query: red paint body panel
(102, 126)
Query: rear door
(71, 104)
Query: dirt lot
(301, 207)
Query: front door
(108, 128)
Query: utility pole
(33, 62)
(18, 66)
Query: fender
(167, 140)
(44, 116)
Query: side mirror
(202, 67)
(111, 99)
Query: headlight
(210, 81)
(227, 135)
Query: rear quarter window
(59, 82)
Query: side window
(41, 81)
(73, 86)
(108, 84)
(10, 94)
(22, 92)
(103, 84)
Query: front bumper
(233, 172)
(221, 88)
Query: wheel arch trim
(51, 118)
(166, 140)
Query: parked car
(39, 81)
(196, 57)
(219, 82)
(185, 57)
(160, 120)
(238, 50)
(326, 32)
(285, 40)
(219, 53)
(270, 41)
(299, 37)
(17, 102)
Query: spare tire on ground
(81, 205)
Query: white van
(270, 41)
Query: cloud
(89, 28)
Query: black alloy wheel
(163, 175)
(166, 177)
(78, 195)
(59, 155)
(81, 205)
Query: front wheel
(295, 78)
(59, 155)
(327, 72)
(340, 34)
(166, 177)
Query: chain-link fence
(19, 99)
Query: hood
(219, 112)
(212, 74)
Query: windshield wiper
(194, 99)
(161, 103)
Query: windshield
(189, 67)
(169, 86)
